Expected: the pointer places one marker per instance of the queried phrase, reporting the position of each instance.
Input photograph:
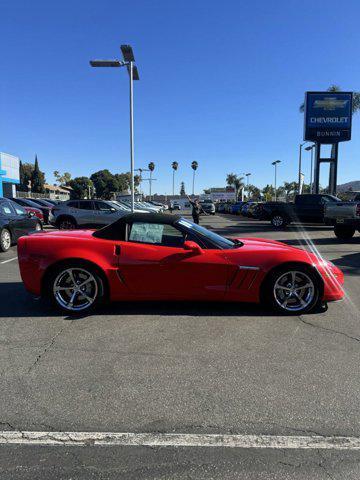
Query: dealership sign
(328, 116)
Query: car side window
(19, 209)
(157, 234)
(6, 209)
(83, 205)
(103, 207)
(72, 204)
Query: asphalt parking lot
(183, 368)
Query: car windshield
(217, 240)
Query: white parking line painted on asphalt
(10, 260)
(179, 440)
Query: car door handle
(117, 250)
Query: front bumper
(333, 279)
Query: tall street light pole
(311, 164)
(247, 175)
(128, 61)
(300, 155)
(275, 165)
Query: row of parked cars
(249, 209)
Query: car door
(104, 213)
(85, 215)
(16, 224)
(154, 265)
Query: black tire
(278, 220)
(344, 232)
(5, 240)
(81, 272)
(66, 223)
(288, 303)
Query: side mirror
(192, 246)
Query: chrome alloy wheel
(294, 291)
(75, 289)
(277, 221)
(5, 240)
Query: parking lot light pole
(300, 155)
(311, 164)
(128, 61)
(275, 165)
(247, 175)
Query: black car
(14, 223)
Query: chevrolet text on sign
(328, 117)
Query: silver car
(85, 213)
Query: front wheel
(5, 240)
(344, 232)
(293, 290)
(278, 220)
(76, 288)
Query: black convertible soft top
(117, 230)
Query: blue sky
(221, 83)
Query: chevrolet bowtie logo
(330, 103)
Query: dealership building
(9, 174)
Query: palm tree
(234, 181)
(174, 166)
(336, 88)
(194, 166)
(151, 168)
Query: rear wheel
(5, 240)
(293, 290)
(76, 288)
(344, 232)
(278, 220)
(66, 223)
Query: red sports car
(144, 256)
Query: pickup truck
(305, 208)
(344, 216)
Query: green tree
(25, 171)
(254, 192)
(81, 187)
(37, 179)
(182, 189)
(105, 183)
(62, 179)
(235, 181)
(151, 166)
(268, 192)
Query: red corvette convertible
(166, 257)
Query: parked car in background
(29, 208)
(127, 208)
(15, 221)
(208, 206)
(45, 207)
(236, 208)
(245, 209)
(344, 216)
(174, 205)
(306, 208)
(27, 202)
(85, 213)
(220, 207)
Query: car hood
(274, 249)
